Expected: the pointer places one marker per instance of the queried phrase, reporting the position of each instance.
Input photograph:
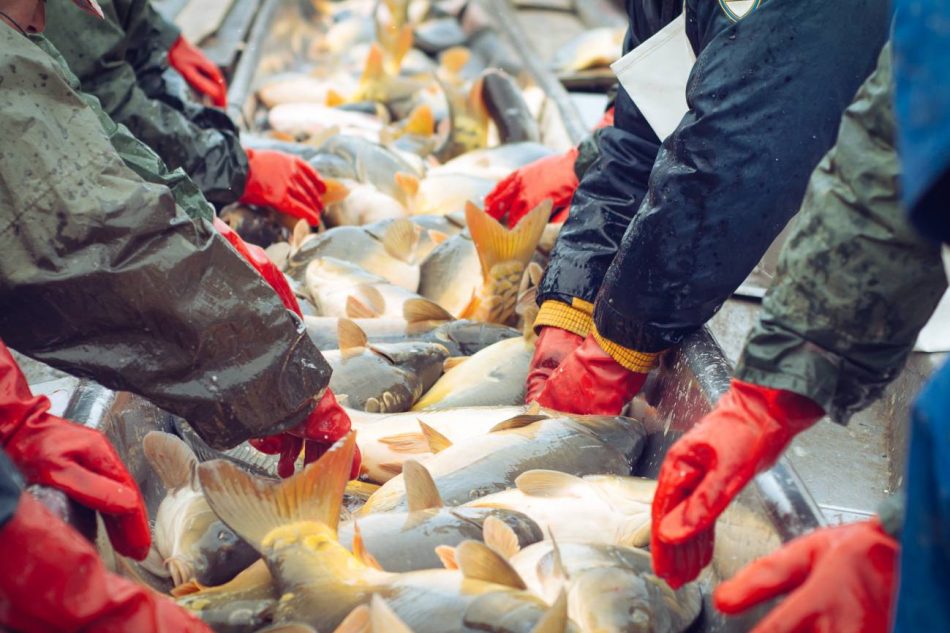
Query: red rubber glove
(524, 189)
(259, 260)
(200, 72)
(325, 425)
(590, 382)
(840, 579)
(55, 582)
(79, 461)
(707, 468)
(285, 183)
(607, 120)
(551, 348)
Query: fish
(495, 162)
(373, 163)
(312, 119)
(460, 338)
(495, 376)
(361, 204)
(468, 122)
(399, 94)
(507, 108)
(407, 541)
(443, 194)
(393, 257)
(302, 88)
(382, 378)
(414, 134)
(255, 225)
(342, 289)
(437, 35)
(189, 542)
(378, 617)
(610, 588)
(432, 231)
(504, 255)
(242, 605)
(293, 524)
(387, 441)
(591, 49)
(481, 465)
(608, 509)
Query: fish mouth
(181, 570)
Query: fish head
(470, 337)
(617, 600)
(422, 360)
(220, 554)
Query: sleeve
(207, 148)
(764, 106)
(855, 282)
(103, 277)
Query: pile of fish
(473, 511)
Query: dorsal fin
(373, 70)
(334, 99)
(548, 483)
(360, 551)
(454, 59)
(435, 440)
(555, 620)
(253, 506)
(173, 461)
(437, 237)
(495, 244)
(477, 561)
(402, 46)
(408, 183)
(301, 231)
(412, 443)
(421, 492)
(400, 239)
(417, 310)
(349, 335)
(446, 554)
(358, 309)
(373, 297)
(421, 121)
(517, 422)
(499, 536)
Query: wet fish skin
(495, 162)
(223, 555)
(451, 274)
(243, 605)
(335, 285)
(607, 509)
(406, 541)
(385, 378)
(611, 588)
(293, 525)
(507, 108)
(494, 376)
(481, 465)
(373, 164)
(594, 48)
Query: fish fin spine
(421, 491)
(416, 310)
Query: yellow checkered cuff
(632, 360)
(574, 318)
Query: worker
(122, 60)
(855, 285)
(660, 234)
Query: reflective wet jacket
(103, 276)
(855, 282)
(122, 60)
(662, 235)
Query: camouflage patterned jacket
(855, 282)
(122, 60)
(103, 276)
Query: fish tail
(497, 245)
(253, 506)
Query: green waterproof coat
(103, 276)
(855, 282)
(122, 60)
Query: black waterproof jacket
(661, 236)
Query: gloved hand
(55, 582)
(325, 425)
(200, 72)
(79, 461)
(259, 260)
(524, 189)
(590, 382)
(551, 348)
(841, 579)
(285, 183)
(706, 468)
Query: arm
(855, 283)
(765, 105)
(206, 148)
(104, 277)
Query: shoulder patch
(735, 10)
